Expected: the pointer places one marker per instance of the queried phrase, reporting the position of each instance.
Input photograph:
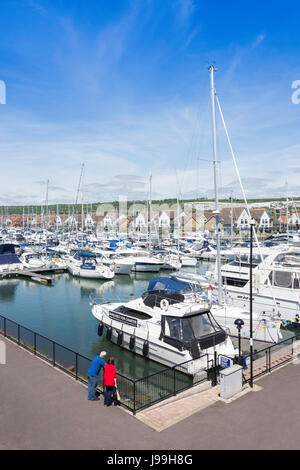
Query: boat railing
(116, 299)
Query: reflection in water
(92, 287)
(8, 290)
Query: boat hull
(90, 274)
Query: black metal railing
(61, 357)
(270, 358)
(135, 394)
(265, 360)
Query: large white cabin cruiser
(166, 325)
(276, 283)
(266, 323)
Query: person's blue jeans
(92, 386)
(108, 395)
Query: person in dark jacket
(93, 374)
(110, 380)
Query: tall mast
(287, 212)
(46, 217)
(231, 221)
(82, 207)
(216, 211)
(150, 212)
(57, 212)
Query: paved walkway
(42, 408)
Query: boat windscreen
(190, 328)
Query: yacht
(32, 260)
(116, 261)
(166, 324)
(9, 261)
(86, 265)
(265, 322)
(141, 260)
(276, 283)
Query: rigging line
(194, 141)
(244, 197)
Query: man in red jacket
(110, 380)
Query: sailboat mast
(287, 212)
(216, 211)
(150, 211)
(82, 199)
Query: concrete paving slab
(42, 408)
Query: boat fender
(146, 348)
(132, 342)
(164, 304)
(109, 332)
(100, 328)
(120, 338)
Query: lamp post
(239, 324)
(252, 223)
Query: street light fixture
(239, 323)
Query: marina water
(62, 312)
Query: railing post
(134, 409)
(214, 380)
(174, 379)
(53, 353)
(269, 359)
(4, 327)
(34, 343)
(76, 366)
(18, 335)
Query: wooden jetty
(37, 275)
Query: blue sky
(123, 86)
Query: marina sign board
(225, 362)
(247, 361)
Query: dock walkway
(37, 275)
(42, 408)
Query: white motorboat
(266, 324)
(116, 261)
(188, 261)
(276, 283)
(53, 261)
(170, 261)
(9, 261)
(32, 260)
(168, 325)
(85, 265)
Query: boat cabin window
(132, 313)
(173, 327)
(189, 328)
(231, 281)
(281, 279)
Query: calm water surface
(62, 312)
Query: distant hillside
(65, 208)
